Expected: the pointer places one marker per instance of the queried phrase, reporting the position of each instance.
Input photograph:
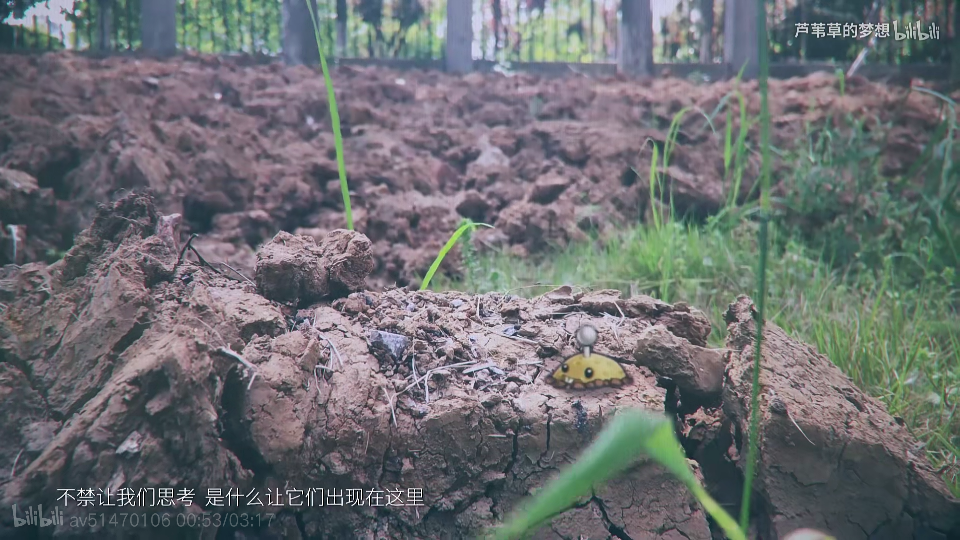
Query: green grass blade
(672, 133)
(728, 143)
(763, 243)
(467, 226)
(334, 121)
(631, 434)
(654, 185)
(740, 149)
(842, 81)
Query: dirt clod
(697, 371)
(294, 269)
(862, 477)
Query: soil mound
(355, 414)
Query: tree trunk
(104, 25)
(341, 28)
(459, 48)
(636, 43)
(706, 31)
(741, 42)
(158, 27)
(299, 37)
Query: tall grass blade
(740, 150)
(763, 243)
(334, 121)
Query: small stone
(131, 445)
(697, 371)
(395, 344)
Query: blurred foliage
(18, 37)
(124, 22)
(12, 36)
(15, 8)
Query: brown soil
(244, 150)
(123, 368)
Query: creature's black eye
(588, 372)
(565, 368)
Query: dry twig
(390, 401)
(237, 272)
(227, 352)
(329, 342)
(13, 470)
(189, 245)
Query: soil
(242, 150)
(137, 361)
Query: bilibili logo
(36, 517)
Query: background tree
(636, 49)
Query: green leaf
(631, 434)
